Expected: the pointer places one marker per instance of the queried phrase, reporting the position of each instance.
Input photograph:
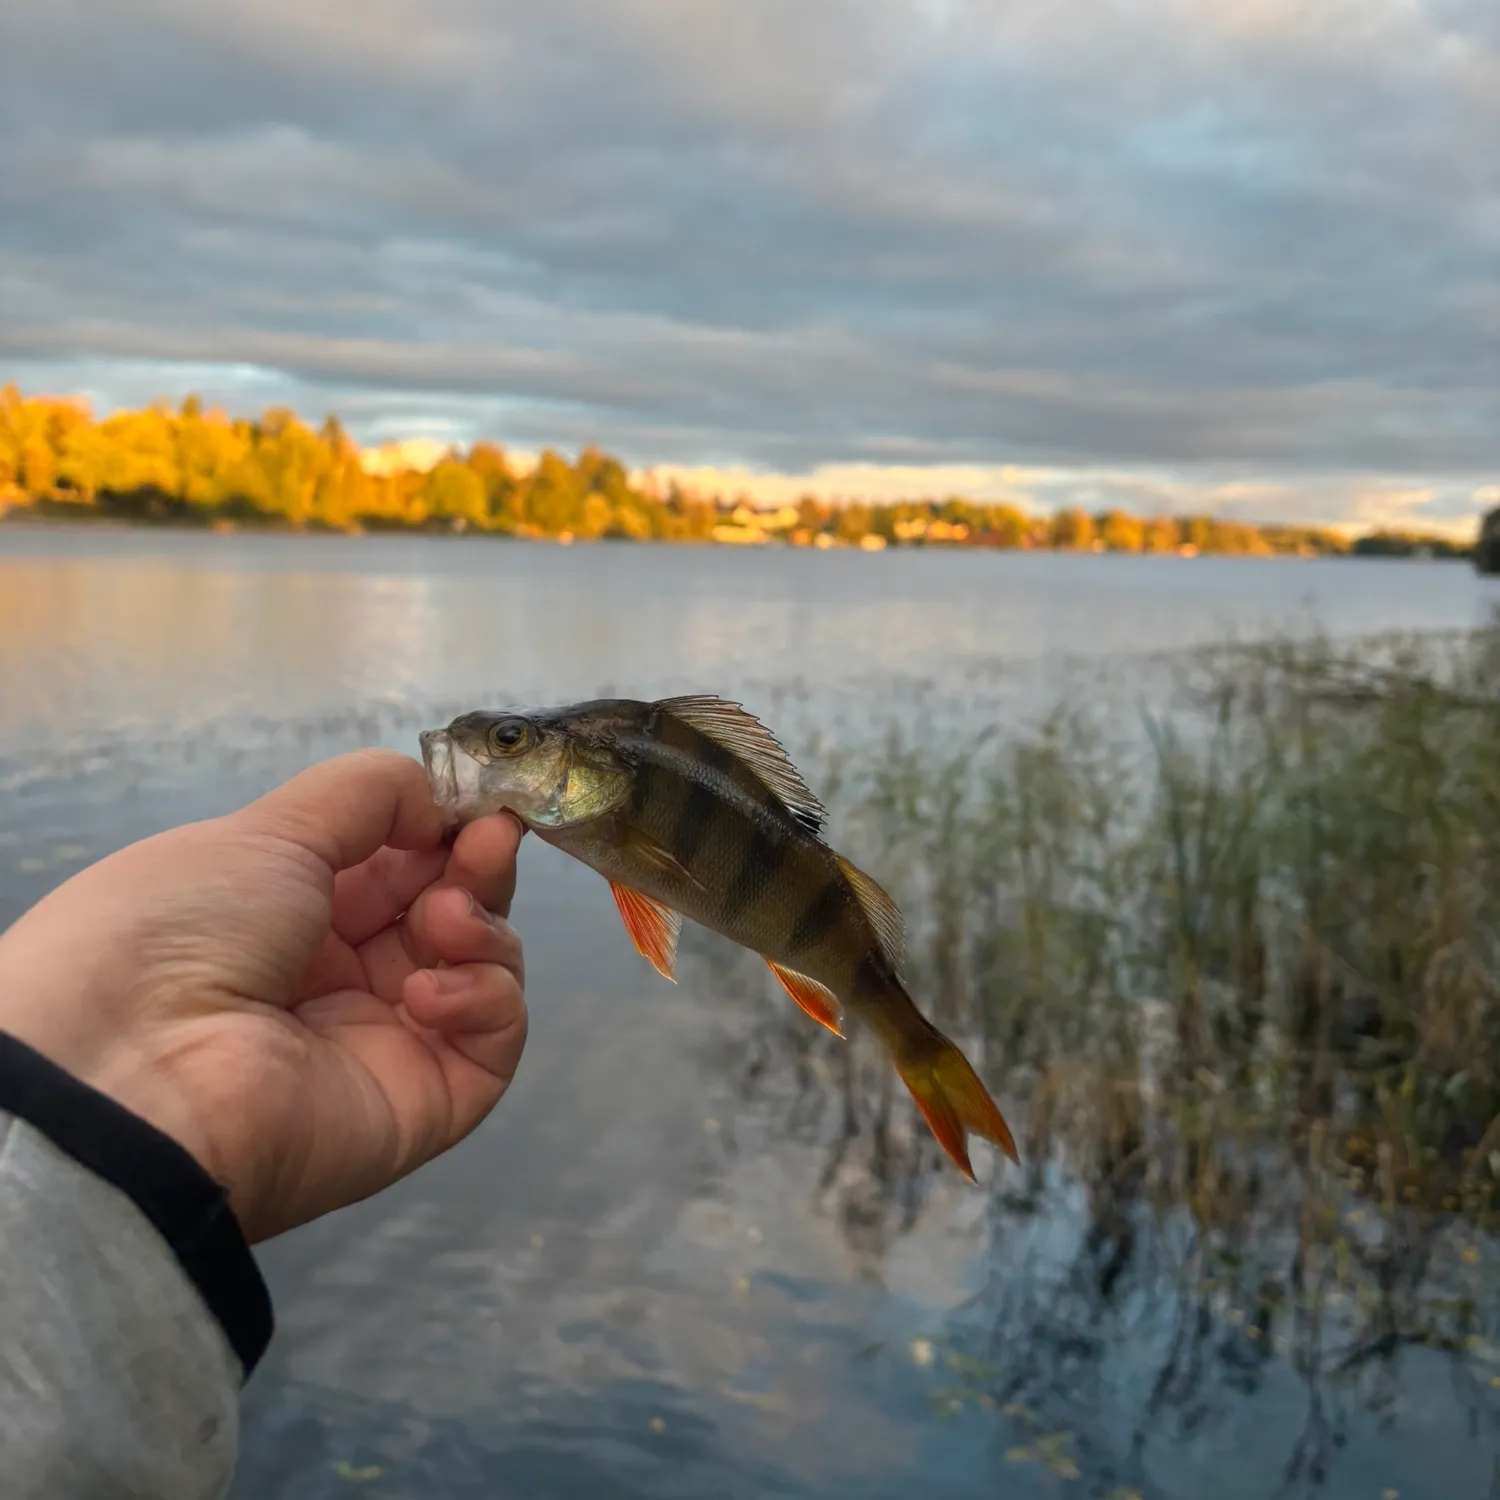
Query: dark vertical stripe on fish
(695, 820)
(672, 733)
(758, 865)
(712, 753)
(642, 787)
(695, 815)
(686, 740)
(820, 916)
(872, 973)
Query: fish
(690, 807)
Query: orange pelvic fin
(816, 999)
(653, 928)
(952, 1099)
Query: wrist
(123, 1074)
(149, 1093)
(157, 1174)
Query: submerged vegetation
(188, 465)
(1241, 1002)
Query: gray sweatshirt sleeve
(130, 1309)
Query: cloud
(1236, 249)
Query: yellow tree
(1006, 525)
(853, 522)
(341, 489)
(595, 517)
(140, 456)
(290, 459)
(28, 457)
(489, 462)
(553, 498)
(453, 491)
(1196, 531)
(1123, 533)
(84, 464)
(812, 514)
(12, 417)
(883, 522)
(1162, 535)
(1073, 529)
(209, 447)
(634, 519)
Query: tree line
(187, 464)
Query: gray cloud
(1220, 239)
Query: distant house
(744, 536)
(748, 526)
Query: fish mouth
(442, 772)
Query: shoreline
(23, 518)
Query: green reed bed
(1233, 968)
(1277, 899)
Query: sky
(1230, 255)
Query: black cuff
(189, 1209)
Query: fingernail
(450, 981)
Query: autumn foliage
(190, 465)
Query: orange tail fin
(952, 1099)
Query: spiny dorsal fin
(743, 735)
(890, 930)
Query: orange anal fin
(954, 1102)
(653, 928)
(816, 999)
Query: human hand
(313, 995)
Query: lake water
(629, 1282)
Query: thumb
(342, 810)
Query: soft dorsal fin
(743, 735)
(884, 917)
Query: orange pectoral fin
(653, 928)
(816, 999)
(645, 848)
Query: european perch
(691, 807)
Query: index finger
(344, 809)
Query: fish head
(529, 763)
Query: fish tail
(948, 1091)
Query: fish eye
(508, 736)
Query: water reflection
(129, 632)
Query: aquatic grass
(1234, 970)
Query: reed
(1233, 970)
